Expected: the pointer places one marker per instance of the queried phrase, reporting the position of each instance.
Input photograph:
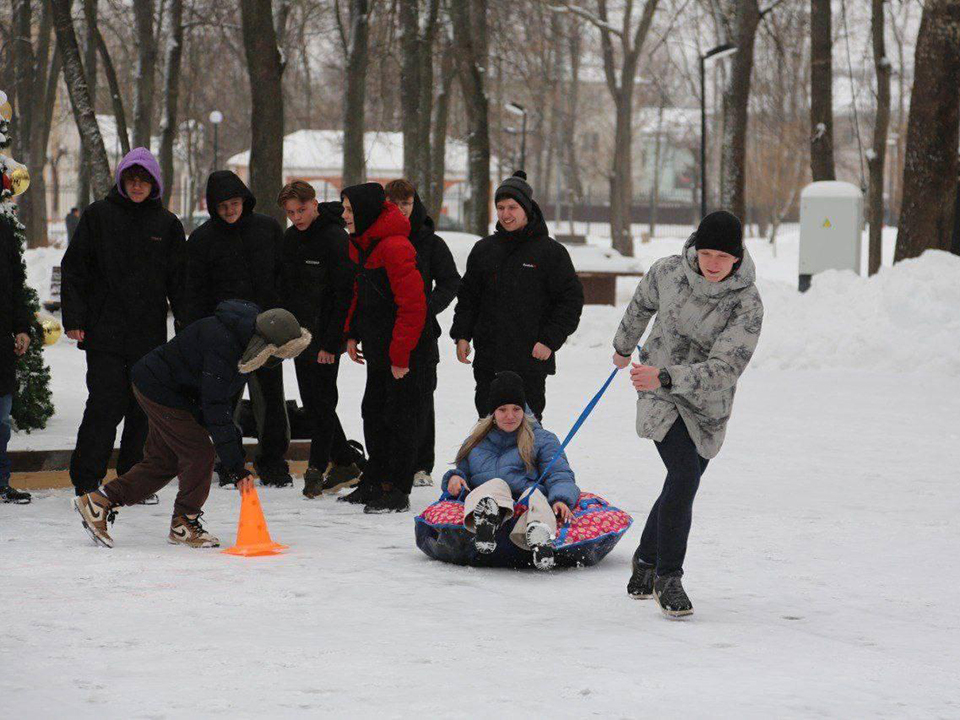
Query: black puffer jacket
(15, 315)
(197, 372)
(239, 261)
(519, 289)
(440, 277)
(317, 277)
(124, 263)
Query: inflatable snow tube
(595, 530)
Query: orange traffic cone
(253, 538)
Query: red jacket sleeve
(400, 260)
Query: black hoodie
(198, 372)
(232, 261)
(519, 289)
(317, 277)
(440, 277)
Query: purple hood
(145, 159)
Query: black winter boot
(486, 518)
(640, 585)
(389, 501)
(673, 601)
(275, 474)
(365, 491)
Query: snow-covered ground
(821, 564)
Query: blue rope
(525, 500)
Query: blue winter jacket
(497, 456)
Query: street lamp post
(216, 117)
(518, 109)
(720, 51)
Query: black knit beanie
(516, 188)
(721, 231)
(507, 389)
(367, 201)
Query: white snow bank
(904, 319)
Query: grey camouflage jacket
(704, 336)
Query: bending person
(499, 462)
(187, 388)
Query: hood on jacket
(536, 226)
(224, 185)
(330, 213)
(240, 318)
(743, 275)
(390, 222)
(366, 200)
(145, 159)
(419, 218)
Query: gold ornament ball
(52, 330)
(20, 180)
(6, 111)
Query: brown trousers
(177, 445)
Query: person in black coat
(440, 283)
(124, 264)
(519, 301)
(187, 387)
(16, 321)
(236, 255)
(316, 286)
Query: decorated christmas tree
(32, 404)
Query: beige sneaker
(187, 530)
(95, 512)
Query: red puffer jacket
(388, 309)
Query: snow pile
(904, 319)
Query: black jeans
(534, 387)
(109, 400)
(664, 539)
(426, 457)
(391, 425)
(318, 393)
(270, 412)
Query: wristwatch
(665, 380)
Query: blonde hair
(525, 442)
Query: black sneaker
(150, 500)
(390, 501)
(640, 585)
(339, 477)
(670, 596)
(12, 495)
(486, 517)
(312, 483)
(275, 474)
(365, 491)
(224, 479)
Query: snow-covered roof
(319, 152)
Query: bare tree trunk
(930, 172)
(426, 43)
(117, 99)
(145, 73)
(621, 180)
(438, 145)
(570, 115)
(469, 20)
(877, 159)
(409, 11)
(821, 91)
(354, 121)
(90, 12)
(80, 99)
(735, 101)
(265, 68)
(655, 190)
(171, 87)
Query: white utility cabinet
(831, 228)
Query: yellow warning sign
(826, 223)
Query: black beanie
(721, 231)
(367, 202)
(507, 389)
(516, 188)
